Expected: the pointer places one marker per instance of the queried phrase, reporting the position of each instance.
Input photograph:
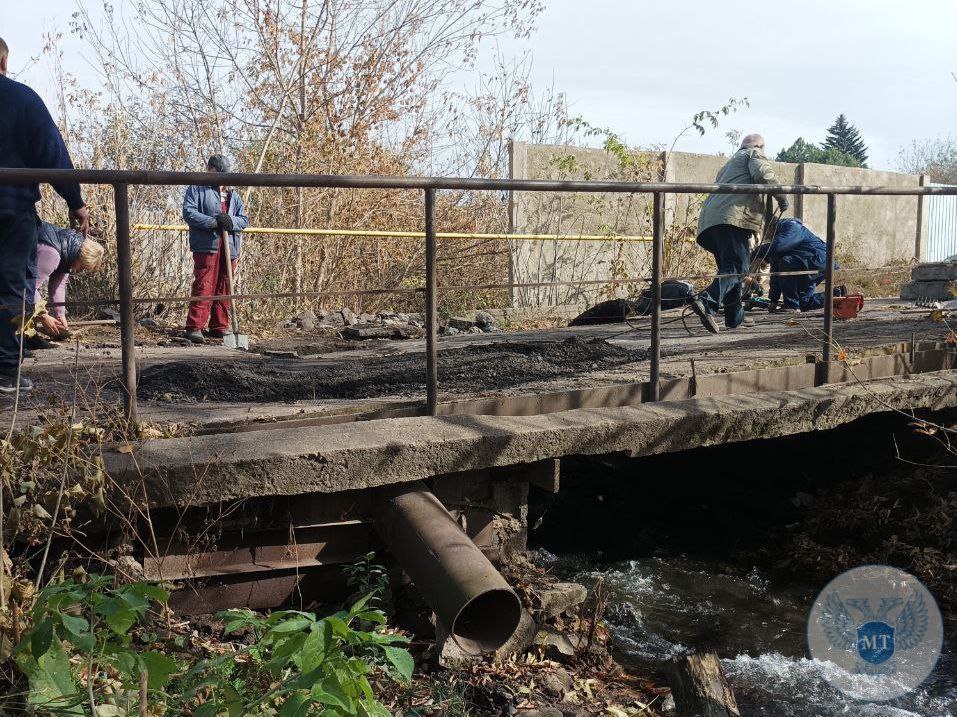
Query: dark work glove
(783, 204)
(224, 222)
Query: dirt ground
(471, 369)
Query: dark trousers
(18, 278)
(731, 247)
(796, 292)
(209, 279)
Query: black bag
(674, 294)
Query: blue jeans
(731, 247)
(18, 277)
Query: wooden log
(699, 687)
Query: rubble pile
(386, 324)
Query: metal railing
(122, 179)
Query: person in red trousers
(210, 211)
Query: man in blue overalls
(795, 248)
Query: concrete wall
(871, 231)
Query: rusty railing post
(431, 308)
(658, 252)
(825, 372)
(121, 200)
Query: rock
(558, 682)
(521, 639)
(540, 712)
(348, 317)
(484, 320)
(940, 290)
(935, 271)
(560, 597)
(668, 705)
(461, 324)
(360, 333)
(128, 565)
(451, 655)
(149, 323)
(624, 614)
(367, 319)
(556, 645)
(475, 330)
(306, 320)
(452, 331)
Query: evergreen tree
(845, 137)
(802, 151)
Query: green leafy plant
(368, 577)
(310, 666)
(91, 620)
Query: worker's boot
(707, 320)
(196, 336)
(746, 322)
(8, 383)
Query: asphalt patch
(471, 369)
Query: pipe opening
(487, 621)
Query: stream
(725, 549)
(663, 608)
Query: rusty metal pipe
(17, 175)
(469, 596)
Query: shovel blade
(240, 342)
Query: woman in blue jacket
(209, 212)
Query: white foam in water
(760, 682)
(671, 600)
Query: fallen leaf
(125, 448)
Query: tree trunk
(700, 688)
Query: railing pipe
(431, 307)
(121, 200)
(829, 289)
(658, 251)
(345, 181)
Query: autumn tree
(314, 86)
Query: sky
(644, 68)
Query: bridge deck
(210, 386)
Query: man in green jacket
(725, 227)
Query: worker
(210, 212)
(29, 138)
(60, 252)
(795, 248)
(725, 228)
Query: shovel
(232, 339)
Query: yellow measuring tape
(406, 235)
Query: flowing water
(661, 608)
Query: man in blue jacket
(29, 138)
(209, 212)
(794, 248)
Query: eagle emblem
(875, 635)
